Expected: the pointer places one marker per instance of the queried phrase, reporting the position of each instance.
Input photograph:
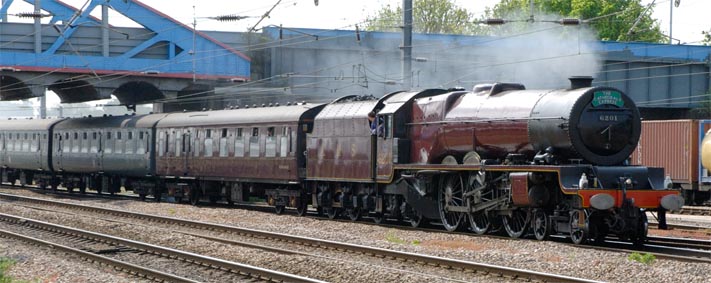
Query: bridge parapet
(82, 52)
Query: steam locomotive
(496, 158)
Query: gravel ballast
(548, 257)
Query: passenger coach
(224, 152)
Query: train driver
(376, 127)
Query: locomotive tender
(499, 156)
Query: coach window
(16, 145)
(254, 143)
(118, 142)
(58, 142)
(223, 143)
(179, 140)
(84, 143)
(94, 148)
(239, 143)
(195, 139)
(25, 143)
(66, 143)
(140, 146)
(162, 144)
(130, 143)
(2, 139)
(184, 146)
(11, 143)
(34, 143)
(285, 142)
(208, 143)
(270, 144)
(75, 142)
(108, 143)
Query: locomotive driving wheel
(450, 196)
(479, 222)
(640, 235)
(477, 192)
(416, 220)
(577, 233)
(516, 223)
(541, 224)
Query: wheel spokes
(577, 235)
(479, 222)
(516, 224)
(541, 225)
(451, 195)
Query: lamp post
(672, 4)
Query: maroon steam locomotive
(497, 157)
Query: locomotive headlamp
(583, 182)
(672, 202)
(628, 181)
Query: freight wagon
(675, 145)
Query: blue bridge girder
(83, 58)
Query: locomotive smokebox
(577, 82)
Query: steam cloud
(539, 54)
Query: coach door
(183, 146)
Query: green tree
(620, 20)
(703, 110)
(429, 16)
(707, 37)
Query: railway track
(695, 210)
(417, 260)
(687, 210)
(142, 259)
(671, 248)
(682, 243)
(683, 249)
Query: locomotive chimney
(580, 82)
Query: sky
(689, 18)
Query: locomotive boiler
(593, 125)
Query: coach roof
(99, 122)
(28, 124)
(258, 115)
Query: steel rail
(252, 271)
(695, 210)
(380, 252)
(123, 266)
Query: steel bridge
(83, 58)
